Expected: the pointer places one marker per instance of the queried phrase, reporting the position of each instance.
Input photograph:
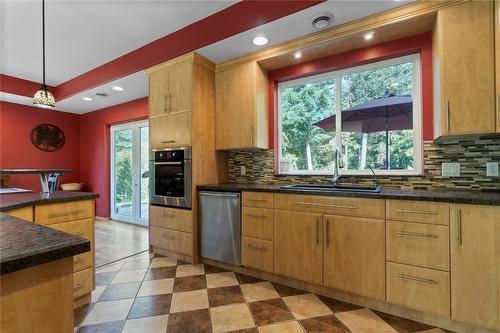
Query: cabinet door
(159, 93)
(355, 255)
(298, 245)
(180, 83)
(180, 129)
(497, 60)
(475, 264)
(465, 42)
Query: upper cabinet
(241, 107)
(497, 60)
(463, 47)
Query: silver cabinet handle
(418, 279)
(170, 102)
(459, 226)
(317, 231)
(419, 212)
(77, 286)
(327, 232)
(169, 141)
(257, 200)
(166, 101)
(323, 205)
(169, 237)
(416, 234)
(80, 233)
(170, 216)
(77, 260)
(258, 248)
(71, 212)
(256, 216)
(447, 115)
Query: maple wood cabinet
(497, 60)
(463, 47)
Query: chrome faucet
(337, 162)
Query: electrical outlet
(450, 169)
(492, 169)
(243, 170)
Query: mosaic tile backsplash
(471, 153)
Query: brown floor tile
(81, 312)
(120, 291)
(150, 306)
(189, 322)
(243, 278)
(160, 273)
(103, 279)
(225, 296)
(189, 283)
(269, 311)
(338, 306)
(134, 264)
(403, 325)
(181, 262)
(209, 269)
(109, 327)
(325, 324)
(285, 291)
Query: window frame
(336, 75)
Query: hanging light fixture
(43, 98)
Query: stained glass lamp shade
(43, 98)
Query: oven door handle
(167, 163)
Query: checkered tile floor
(161, 295)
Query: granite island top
(26, 244)
(452, 196)
(20, 200)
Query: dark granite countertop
(31, 171)
(26, 244)
(12, 201)
(452, 196)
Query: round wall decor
(47, 137)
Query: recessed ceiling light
(118, 88)
(88, 99)
(260, 40)
(297, 55)
(323, 20)
(369, 35)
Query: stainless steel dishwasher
(220, 226)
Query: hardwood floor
(116, 240)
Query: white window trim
(336, 75)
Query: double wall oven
(171, 177)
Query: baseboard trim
(102, 218)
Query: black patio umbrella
(374, 116)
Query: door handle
(447, 115)
(317, 231)
(459, 226)
(327, 232)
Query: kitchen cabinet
(298, 245)
(475, 264)
(354, 255)
(463, 47)
(172, 130)
(241, 107)
(497, 60)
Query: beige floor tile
(432, 330)
(163, 262)
(231, 318)
(129, 276)
(364, 321)
(189, 300)
(96, 293)
(110, 268)
(218, 280)
(288, 327)
(190, 270)
(156, 287)
(108, 311)
(306, 306)
(157, 324)
(258, 291)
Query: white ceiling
(82, 35)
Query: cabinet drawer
(418, 244)
(82, 282)
(257, 253)
(66, 211)
(25, 213)
(171, 218)
(258, 223)
(175, 241)
(353, 207)
(258, 199)
(418, 288)
(419, 211)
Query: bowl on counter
(72, 186)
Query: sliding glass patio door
(130, 172)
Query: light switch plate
(492, 169)
(243, 170)
(450, 169)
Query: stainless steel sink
(334, 187)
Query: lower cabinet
(171, 240)
(257, 253)
(298, 245)
(354, 255)
(475, 264)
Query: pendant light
(43, 98)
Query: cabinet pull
(459, 226)
(170, 102)
(169, 141)
(77, 286)
(258, 248)
(418, 279)
(327, 232)
(317, 231)
(166, 104)
(420, 212)
(257, 200)
(169, 237)
(416, 234)
(447, 115)
(170, 216)
(77, 260)
(256, 216)
(71, 212)
(80, 233)
(322, 205)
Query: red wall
(415, 44)
(16, 150)
(94, 147)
